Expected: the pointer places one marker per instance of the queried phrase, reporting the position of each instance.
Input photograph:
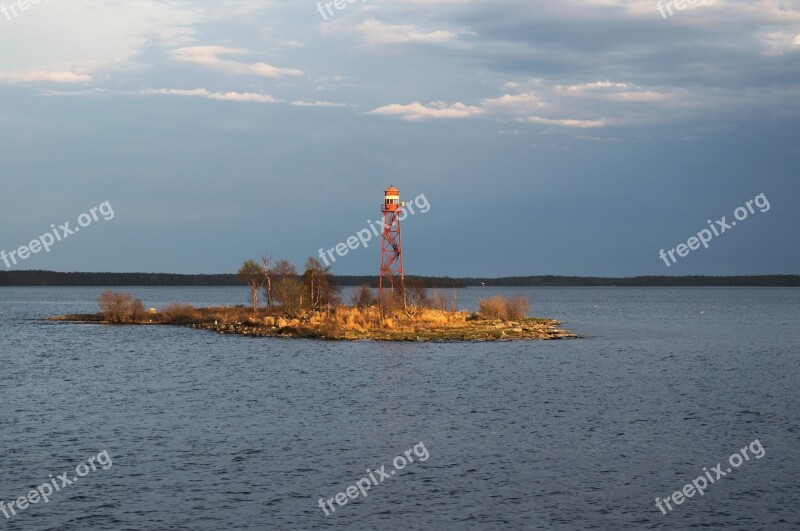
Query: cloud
(44, 76)
(610, 91)
(563, 122)
(301, 103)
(523, 101)
(376, 33)
(208, 56)
(252, 97)
(594, 85)
(416, 111)
(523, 108)
(593, 103)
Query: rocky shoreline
(472, 328)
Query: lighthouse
(391, 272)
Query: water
(224, 432)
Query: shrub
(176, 312)
(517, 308)
(493, 307)
(137, 310)
(416, 294)
(499, 307)
(120, 307)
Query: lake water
(206, 431)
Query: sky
(570, 137)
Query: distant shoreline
(54, 279)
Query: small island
(345, 323)
(310, 306)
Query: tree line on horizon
(52, 278)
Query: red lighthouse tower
(391, 276)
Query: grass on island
(437, 319)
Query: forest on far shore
(52, 278)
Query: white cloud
(563, 122)
(93, 31)
(301, 103)
(416, 111)
(526, 100)
(595, 85)
(612, 91)
(44, 76)
(225, 96)
(208, 56)
(376, 32)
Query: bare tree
(363, 297)
(266, 259)
(416, 296)
(251, 273)
(439, 300)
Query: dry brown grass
(347, 321)
(499, 318)
(352, 319)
